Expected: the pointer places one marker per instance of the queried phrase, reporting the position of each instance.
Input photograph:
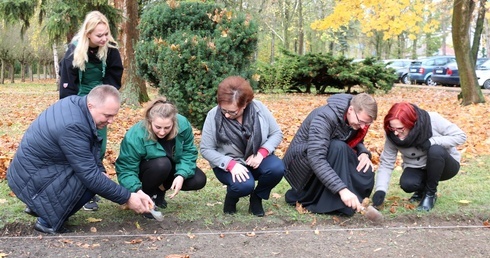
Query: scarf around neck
(246, 136)
(421, 131)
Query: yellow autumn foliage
(391, 18)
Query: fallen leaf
(313, 223)
(464, 202)
(486, 224)
(137, 225)
(177, 256)
(317, 232)
(301, 209)
(191, 236)
(276, 196)
(134, 241)
(93, 220)
(66, 241)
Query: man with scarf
(427, 143)
(327, 164)
(239, 137)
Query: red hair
(235, 89)
(402, 111)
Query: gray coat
(307, 153)
(220, 155)
(444, 133)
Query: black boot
(230, 204)
(256, 205)
(417, 196)
(427, 202)
(160, 199)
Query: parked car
(483, 74)
(420, 71)
(401, 67)
(448, 75)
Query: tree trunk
(56, 66)
(273, 50)
(134, 88)
(478, 30)
(470, 90)
(301, 33)
(22, 72)
(29, 71)
(12, 72)
(2, 73)
(286, 21)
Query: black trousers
(317, 198)
(440, 166)
(161, 171)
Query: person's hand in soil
(140, 202)
(350, 199)
(176, 186)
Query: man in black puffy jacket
(327, 164)
(57, 168)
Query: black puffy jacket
(58, 160)
(307, 154)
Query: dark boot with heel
(256, 206)
(427, 202)
(417, 196)
(229, 206)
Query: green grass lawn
(466, 194)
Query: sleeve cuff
(264, 152)
(231, 165)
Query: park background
(30, 50)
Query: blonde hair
(161, 108)
(80, 56)
(365, 102)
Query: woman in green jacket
(158, 154)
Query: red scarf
(361, 133)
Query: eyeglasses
(231, 113)
(397, 129)
(361, 122)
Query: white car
(483, 74)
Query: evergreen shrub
(187, 48)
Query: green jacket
(136, 146)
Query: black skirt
(317, 198)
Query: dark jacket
(58, 160)
(70, 76)
(307, 153)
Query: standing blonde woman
(92, 59)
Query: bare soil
(406, 236)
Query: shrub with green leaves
(187, 48)
(325, 71)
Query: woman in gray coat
(427, 143)
(238, 139)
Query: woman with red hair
(427, 143)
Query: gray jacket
(220, 155)
(444, 133)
